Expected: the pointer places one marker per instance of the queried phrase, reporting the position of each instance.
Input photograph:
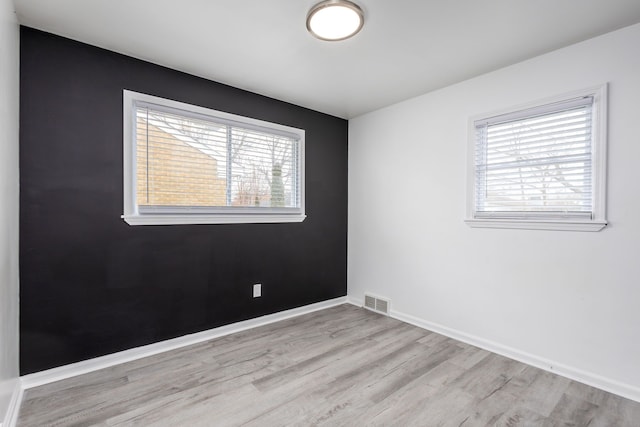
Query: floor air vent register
(377, 304)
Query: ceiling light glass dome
(335, 20)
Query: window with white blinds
(541, 164)
(188, 164)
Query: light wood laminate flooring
(343, 366)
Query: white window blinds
(196, 163)
(186, 164)
(535, 163)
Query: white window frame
(599, 169)
(198, 215)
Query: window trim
(599, 169)
(198, 215)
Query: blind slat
(575, 140)
(543, 110)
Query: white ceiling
(406, 48)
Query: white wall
(9, 63)
(570, 300)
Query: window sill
(557, 225)
(164, 219)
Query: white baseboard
(79, 368)
(11, 417)
(616, 387)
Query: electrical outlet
(257, 290)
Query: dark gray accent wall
(91, 284)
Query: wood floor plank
(573, 410)
(487, 411)
(402, 403)
(489, 375)
(343, 366)
(522, 417)
(544, 393)
(411, 371)
(469, 356)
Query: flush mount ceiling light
(335, 20)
